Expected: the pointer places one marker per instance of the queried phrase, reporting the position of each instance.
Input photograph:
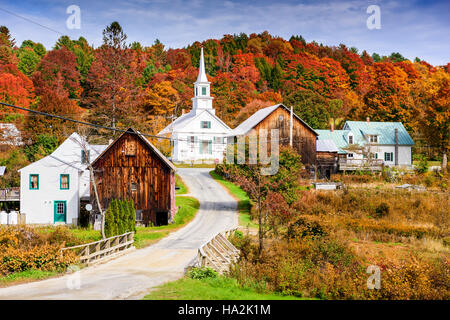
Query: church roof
(184, 119)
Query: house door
(60, 211)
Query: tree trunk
(91, 172)
(444, 161)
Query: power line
(122, 130)
(77, 121)
(29, 20)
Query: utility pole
(290, 126)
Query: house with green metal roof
(370, 143)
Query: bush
(21, 249)
(202, 273)
(422, 165)
(382, 210)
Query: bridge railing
(98, 250)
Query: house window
(205, 124)
(130, 147)
(133, 186)
(64, 181)
(388, 156)
(350, 139)
(350, 155)
(34, 181)
(85, 157)
(373, 139)
(206, 147)
(192, 141)
(219, 140)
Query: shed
(132, 168)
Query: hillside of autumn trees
(120, 84)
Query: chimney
(368, 119)
(396, 147)
(182, 111)
(332, 127)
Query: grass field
(183, 189)
(244, 203)
(220, 288)
(26, 276)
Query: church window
(204, 91)
(205, 124)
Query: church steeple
(202, 99)
(201, 72)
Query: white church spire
(201, 72)
(202, 99)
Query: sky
(413, 28)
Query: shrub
(382, 210)
(119, 218)
(202, 273)
(422, 165)
(21, 249)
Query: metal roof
(337, 136)
(384, 130)
(259, 116)
(326, 146)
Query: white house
(52, 187)
(199, 134)
(386, 143)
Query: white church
(198, 134)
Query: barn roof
(148, 143)
(259, 116)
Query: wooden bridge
(218, 253)
(94, 252)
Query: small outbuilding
(133, 168)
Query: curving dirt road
(131, 276)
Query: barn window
(130, 147)
(281, 118)
(133, 186)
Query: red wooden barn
(132, 168)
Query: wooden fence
(95, 251)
